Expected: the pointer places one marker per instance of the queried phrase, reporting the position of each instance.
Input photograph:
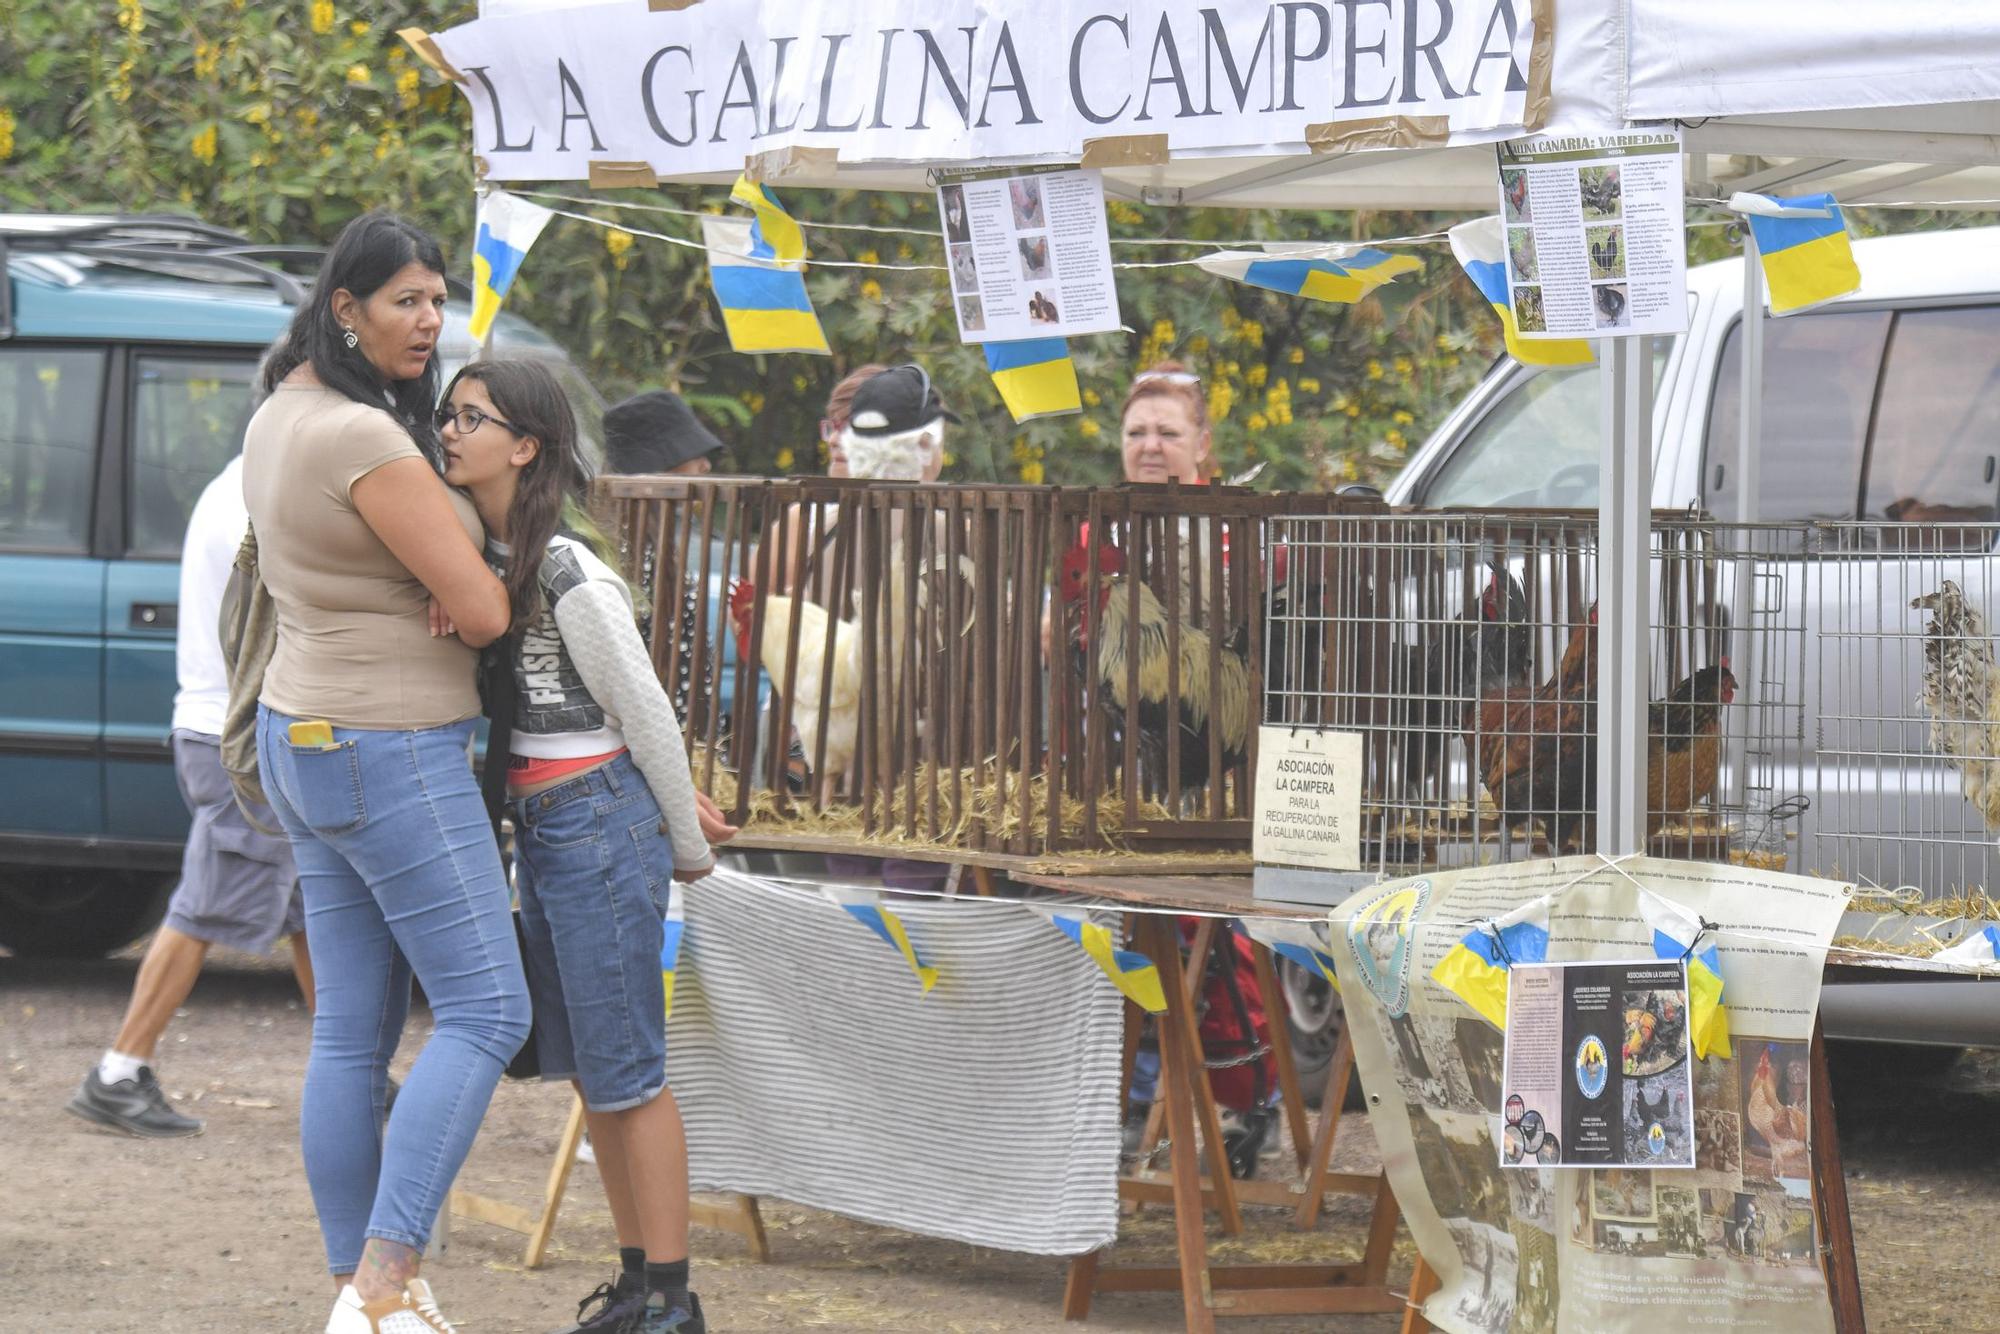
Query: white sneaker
(412, 1311)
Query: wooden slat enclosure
(963, 695)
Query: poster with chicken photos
(1598, 1068)
(1596, 234)
(1028, 254)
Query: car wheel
(1317, 1022)
(73, 912)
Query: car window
(188, 417)
(1536, 446)
(49, 404)
(1819, 379)
(1936, 449)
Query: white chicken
(839, 712)
(1960, 696)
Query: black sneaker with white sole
(135, 1106)
(609, 1310)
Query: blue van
(127, 348)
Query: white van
(1880, 408)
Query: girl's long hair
(549, 494)
(369, 251)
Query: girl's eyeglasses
(470, 420)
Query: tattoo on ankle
(385, 1267)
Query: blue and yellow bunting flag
(1130, 971)
(1679, 934)
(672, 929)
(1802, 244)
(1302, 942)
(764, 303)
(1475, 969)
(1481, 247)
(1035, 377)
(1340, 274)
(865, 907)
(774, 234)
(508, 225)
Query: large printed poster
(1615, 1249)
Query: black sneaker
(617, 1306)
(656, 1317)
(135, 1106)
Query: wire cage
(1018, 670)
(1463, 647)
(1903, 692)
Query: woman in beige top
(364, 734)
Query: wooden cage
(995, 669)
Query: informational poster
(1598, 1063)
(1029, 254)
(1308, 808)
(1595, 234)
(1617, 1249)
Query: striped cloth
(810, 1066)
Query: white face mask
(908, 457)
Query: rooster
(1960, 697)
(1517, 193)
(1536, 745)
(1683, 744)
(1225, 701)
(838, 714)
(1459, 668)
(1781, 1124)
(1604, 254)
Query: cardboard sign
(1308, 798)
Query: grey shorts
(237, 885)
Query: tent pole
(1741, 643)
(1624, 583)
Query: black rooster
(1459, 668)
(1604, 254)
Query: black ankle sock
(670, 1279)
(632, 1268)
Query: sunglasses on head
(1167, 377)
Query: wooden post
(1177, 1050)
(1843, 1275)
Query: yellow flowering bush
(322, 17)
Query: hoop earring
(349, 337)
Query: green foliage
(286, 122)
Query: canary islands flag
(764, 302)
(1301, 942)
(865, 907)
(1475, 970)
(1342, 274)
(774, 235)
(1130, 971)
(1803, 246)
(672, 928)
(1481, 247)
(508, 225)
(1035, 377)
(1679, 934)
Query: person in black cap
(657, 432)
(896, 427)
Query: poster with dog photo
(1596, 234)
(1029, 252)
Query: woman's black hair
(549, 494)
(369, 251)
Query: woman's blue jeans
(399, 873)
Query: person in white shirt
(237, 885)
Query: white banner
(1615, 1250)
(698, 90)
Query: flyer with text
(1029, 254)
(1595, 234)
(1597, 1071)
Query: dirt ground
(216, 1233)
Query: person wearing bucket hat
(896, 427)
(657, 432)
